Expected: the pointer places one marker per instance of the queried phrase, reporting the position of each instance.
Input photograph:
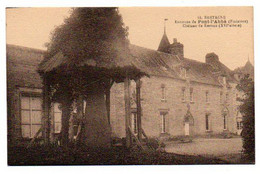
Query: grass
(74, 155)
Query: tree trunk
(139, 108)
(95, 132)
(127, 91)
(108, 103)
(71, 127)
(46, 109)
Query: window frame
(183, 72)
(183, 94)
(54, 121)
(239, 125)
(163, 121)
(225, 121)
(191, 95)
(221, 97)
(30, 95)
(207, 97)
(227, 97)
(163, 93)
(207, 122)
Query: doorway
(187, 128)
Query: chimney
(176, 48)
(211, 58)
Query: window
(239, 125)
(225, 121)
(221, 97)
(134, 122)
(31, 115)
(183, 72)
(207, 122)
(224, 80)
(191, 94)
(57, 117)
(163, 92)
(163, 122)
(207, 96)
(183, 94)
(227, 97)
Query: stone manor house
(181, 97)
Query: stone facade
(175, 107)
(166, 101)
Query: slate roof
(164, 44)
(200, 72)
(248, 68)
(154, 62)
(23, 62)
(168, 65)
(222, 70)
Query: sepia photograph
(130, 85)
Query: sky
(31, 27)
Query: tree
(247, 109)
(87, 34)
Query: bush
(155, 144)
(248, 135)
(247, 109)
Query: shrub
(247, 109)
(155, 144)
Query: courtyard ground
(53, 155)
(224, 149)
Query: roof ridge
(195, 61)
(26, 48)
(154, 50)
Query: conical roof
(164, 44)
(248, 65)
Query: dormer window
(224, 80)
(183, 72)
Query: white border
(122, 169)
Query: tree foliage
(89, 33)
(247, 109)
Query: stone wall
(152, 105)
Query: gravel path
(227, 149)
